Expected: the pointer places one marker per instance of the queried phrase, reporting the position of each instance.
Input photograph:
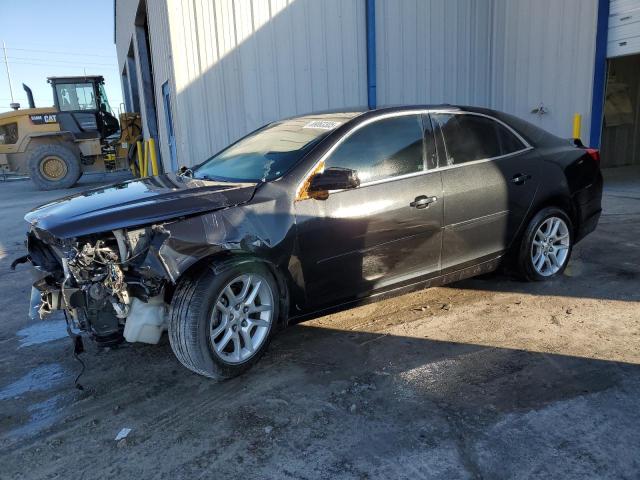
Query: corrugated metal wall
(543, 52)
(235, 65)
(511, 55)
(238, 65)
(124, 26)
(435, 51)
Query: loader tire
(54, 166)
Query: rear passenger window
(383, 149)
(509, 143)
(473, 137)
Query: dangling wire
(77, 350)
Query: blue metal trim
(370, 9)
(599, 74)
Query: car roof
(531, 133)
(351, 113)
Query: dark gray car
(308, 214)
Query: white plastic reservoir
(146, 321)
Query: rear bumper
(588, 225)
(588, 202)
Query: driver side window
(383, 149)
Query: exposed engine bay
(110, 258)
(105, 284)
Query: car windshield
(268, 153)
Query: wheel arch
(562, 201)
(18, 160)
(558, 200)
(222, 261)
(60, 138)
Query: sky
(47, 38)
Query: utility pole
(13, 105)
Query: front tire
(546, 245)
(54, 166)
(220, 325)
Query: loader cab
(83, 108)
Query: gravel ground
(487, 378)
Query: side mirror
(333, 179)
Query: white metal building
(205, 72)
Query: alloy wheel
(241, 318)
(550, 247)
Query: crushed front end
(109, 284)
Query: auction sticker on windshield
(322, 124)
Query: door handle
(423, 202)
(520, 178)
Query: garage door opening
(143, 45)
(621, 132)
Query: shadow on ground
(327, 403)
(360, 394)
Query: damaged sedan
(308, 214)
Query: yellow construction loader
(56, 145)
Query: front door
(385, 232)
(489, 178)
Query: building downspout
(599, 74)
(370, 10)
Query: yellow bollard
(154, 159)
(146, 158)
(577, 125)
(140, 162)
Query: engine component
(104, 324)
(97, 270)
(98, 292)
(102, 284)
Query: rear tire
(54, 166)
(198, 326)
(546, 245)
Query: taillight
(594, 153)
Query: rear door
(383, 233)
(489, 177)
